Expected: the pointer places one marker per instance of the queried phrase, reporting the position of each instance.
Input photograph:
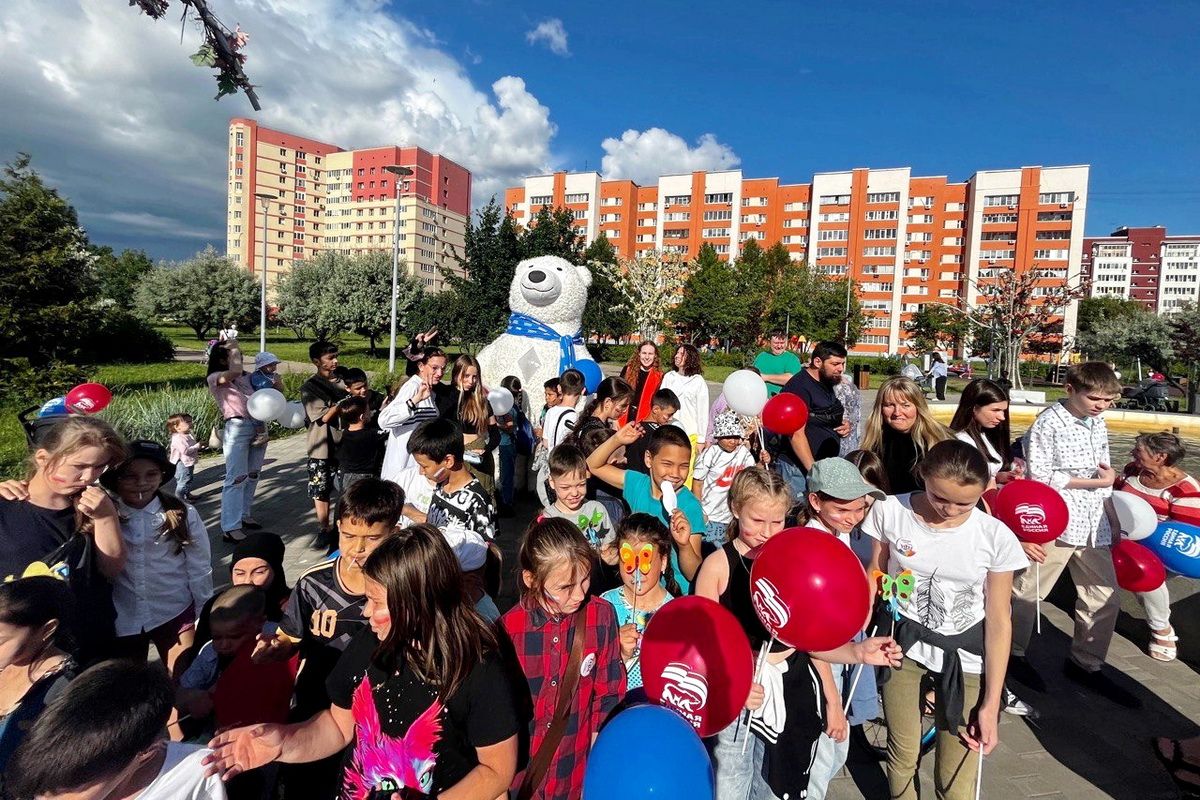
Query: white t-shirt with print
(716, 469)
(950, 566)
(182, 776)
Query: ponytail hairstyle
(957, 461)
(978, 393)
(473, 410)
(641, 528)
(753, 484)
(547, 544)
(613, 389)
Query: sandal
(1174, 765)
(1162, 646)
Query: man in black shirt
(820, 436)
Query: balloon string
(1037, 577)
(858, 671)
(762, 656)
(979, 773)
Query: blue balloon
(591, 374)
(1178, 545)
(53, 407)
(679, 770)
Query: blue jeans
(794, 476)
(242, 465)
(717, 533)
(183, 479)
(508, 469)
(739, 775)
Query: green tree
(1097, 313)
(119, 274)
(607, 312)
(1183, 326)
(713, 303)
(202, 293)
(936, 327)
(47, 279)
(652, 285)
(302, 300)
(489, 260)
(360, 295)
(552, 233)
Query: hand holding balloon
(756, 697)
(1035, 552)
(879, 651)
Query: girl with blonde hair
(901, 430)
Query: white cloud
(642, 156)
(553, 34)
(117, 117)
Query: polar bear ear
(585, 273)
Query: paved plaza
(1082, 746)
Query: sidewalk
(1082, 747)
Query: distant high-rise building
(1159, 271)
(331, 199)
(905, 241)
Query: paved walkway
(1082, 747)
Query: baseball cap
(265, 359)
(838, 478)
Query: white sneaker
(1016, 706)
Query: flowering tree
(652, 285)
(221, 49)
(1019, 312)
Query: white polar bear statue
(544, 335)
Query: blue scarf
(530, 328)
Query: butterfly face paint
(637, 562)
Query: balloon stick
(1037, 576)
(762, 656)
(858, 671)
(979, 773)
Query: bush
(878, 365)
(24, 385)
(121, 338)
(143, 415)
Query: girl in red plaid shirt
(556, 568)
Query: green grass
(354, 349)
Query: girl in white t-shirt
(981, 421)
(954, 606)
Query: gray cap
(838, 478)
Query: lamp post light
(266, 199)
(399, 172)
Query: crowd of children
(389, 670)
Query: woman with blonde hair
(62, 523)
(900, 430)
(481, 434)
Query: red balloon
(88, 398)
(696, 661)
(785, 413)
(1138, 568)
(809, 589)
(989, 498)
(1035, 511)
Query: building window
(835, 199)
(879, 233)
(883, 197)
(716, 216)
(1001, 199)
(1056, 197)
(678, 200)
(833, 235)
(541, 200)
(714, 199)
(884, 215)
(579, 197)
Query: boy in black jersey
(325, 611)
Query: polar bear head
(550, 289)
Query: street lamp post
(266, 199)
(399, 172)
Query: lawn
(354, 349)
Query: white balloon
(266, 404)
(292, 416)
(501, 400)
(1135, 515)
(746, 392)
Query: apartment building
(325, 198)
(1160, 271)
(904, 240)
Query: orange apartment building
(325, 198)
(904, 240)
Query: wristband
(411, 407)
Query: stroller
(1149, 395)
(923, 381)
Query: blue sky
(117, 118)
(948, 88)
